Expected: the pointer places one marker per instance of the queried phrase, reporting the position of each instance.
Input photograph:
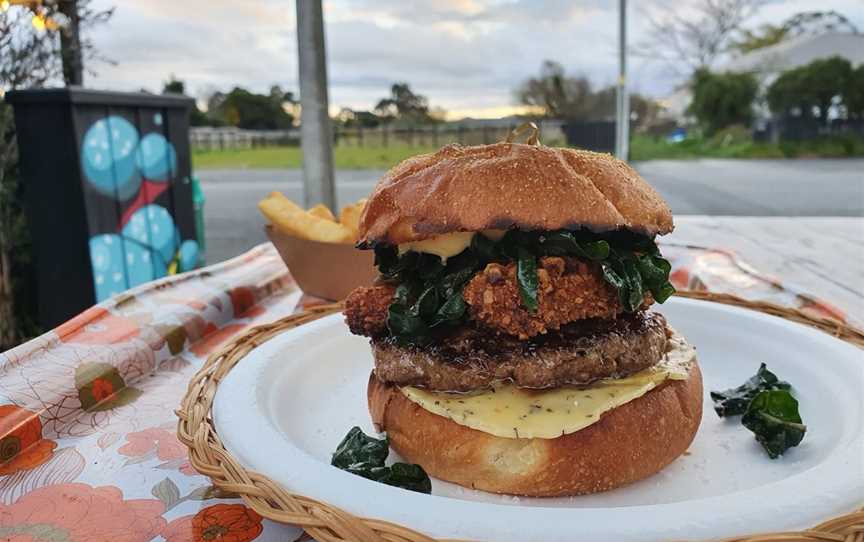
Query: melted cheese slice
(445, 246)
(511, 412)
(449, 244)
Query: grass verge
(647, 148)
(292, 157)
(642, 147)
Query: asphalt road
(692, 187)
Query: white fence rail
(433, 135)
(208, 138)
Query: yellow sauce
(448, 244)
(445, 246)
(511, 412)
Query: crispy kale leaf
(360, 454)
(734, 401)
(767, 408)
(774, 419)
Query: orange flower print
(254, 311)
(187, 468)
(100, 387)
(98, 326)
(214, 337)
(21, 444)
(242, 299)
(189, 301)
(80, 513)
(163, 442)
(217, 523)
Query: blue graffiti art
(108, 154)
(156, 158)
(116, 161)
(106, 258)
(188, 255)
(153, 226)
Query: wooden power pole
(315, 131)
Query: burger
(511, 327)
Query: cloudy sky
(467, 56)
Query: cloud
(463, 54)
(213, 43)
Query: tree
(214, 103)
(249, 111)
(286, 100)
(29, 57)
(351, 118)
(403, 104)
(818, 22)
(767, 35)
(556, 94)
(809, 22)
(811, 90)
(722, 99)
(853, 95)
(282, 97)
(176, 86)
(644, 111)
(695, 41)
(563, 97)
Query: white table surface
(822, 255)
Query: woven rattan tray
(326, 523)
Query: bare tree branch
(690, 42)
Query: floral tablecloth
(88, 451)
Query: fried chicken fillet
(569, 290)
(366, 309)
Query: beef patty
(579, 353)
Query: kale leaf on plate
(774, 419)
(360, 454)
(767, 408)
(734, 401)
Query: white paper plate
(283, 409)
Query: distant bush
(809, 91)
(735, 134)
(825, 147)
(853, 94)
(722, 99)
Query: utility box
(595, 135)
(107, 192)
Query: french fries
(284, 202)
(321, 211)
(350, 216)
(316, 224)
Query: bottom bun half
(628, 443)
